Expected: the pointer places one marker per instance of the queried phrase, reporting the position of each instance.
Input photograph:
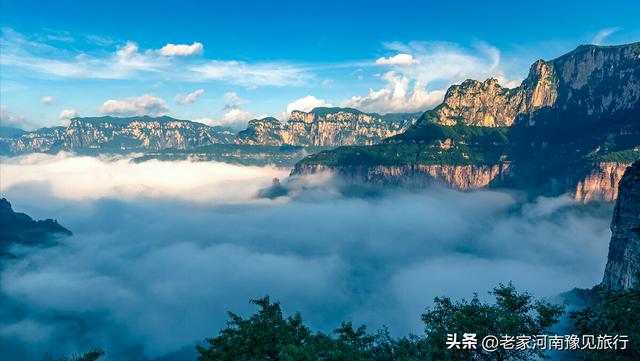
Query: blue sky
(227, 62)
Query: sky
(224, 63)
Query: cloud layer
(155, 262)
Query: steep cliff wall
(326, 127)
(589, 183)
(594, 79)
(601, 183)
(623, 262)
(462, 177)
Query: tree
(263, 336)
(613, 312)
(92, 355)
(268, 335)
(512, 314)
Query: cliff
(596, 79)
(19, 228)
(571, 126)
(118, 134)
(326, 127)
(321, 127)
(623, 262)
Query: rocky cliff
(326, 127)
(596, 79)
(19, 229)
(462, 177)
(118, 134)
(572, 126)
(623, 262)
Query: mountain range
(322, 127)
(573, 125)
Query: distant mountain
(572, 125)
(111, 134)
(321, 127)
(324, 127)
(19, 228)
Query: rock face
(320, 128)
(606, 74)
(462, 177)
(19, 228)
(623, 262)
(602, 182)
(118, 134)
(326, 127)
(571, 126)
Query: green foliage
(268, 335)
(92, 355)
(623, 156)
(612, 313)
(243, 154)
(513, 314)
(424, 144)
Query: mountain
(111, 134)
(322, 127)
(571, 126)
(19, 228)
(623, 262)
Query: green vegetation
(269, 335)
(611, 313)
(242, 154)
(92, 355)
(624, 156)
(429, 143)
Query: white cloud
(400, 59)
(306, 104)
(422, 71)
(233, 101)
(40, 58)
(181, 49)
(401, 94)
(602, 35)
(189, 98)
(143, 105)
(9, 119)
(234, 118)
(251, 75)
(47, 100)
(128, 61)
(66, 115)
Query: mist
(162, 250)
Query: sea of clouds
(162, 250)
